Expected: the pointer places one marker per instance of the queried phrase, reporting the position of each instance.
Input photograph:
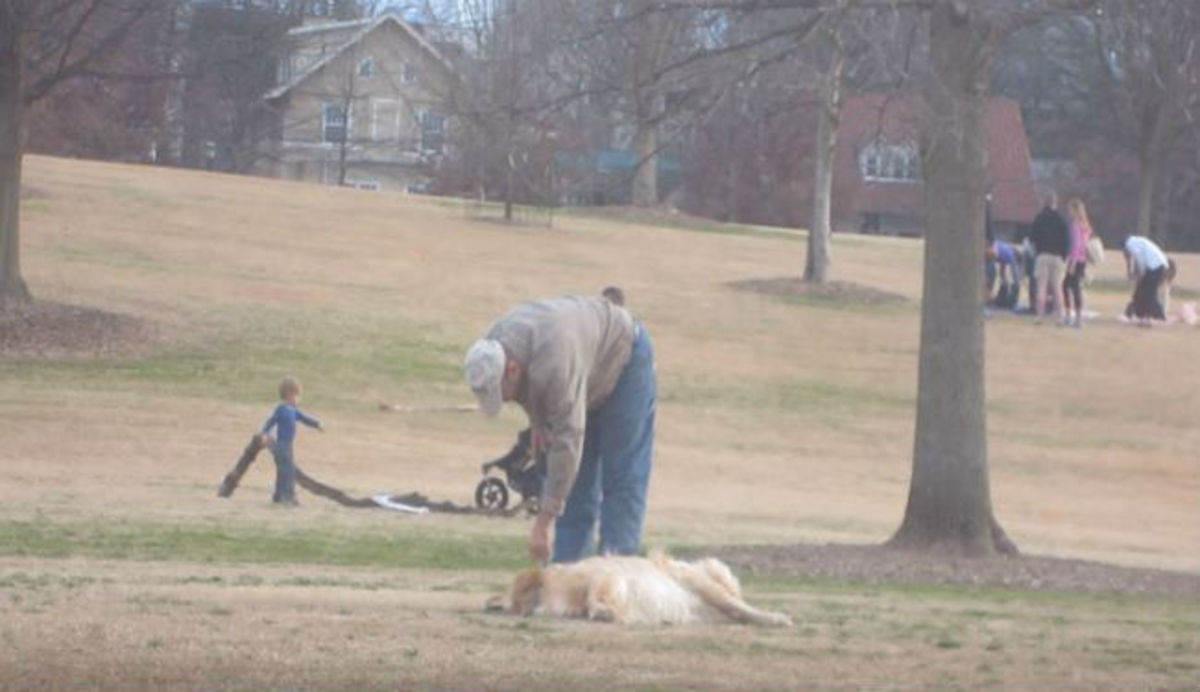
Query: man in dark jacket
(1051, 240)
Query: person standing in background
(1077, 260)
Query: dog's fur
(657, 589)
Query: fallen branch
(406, 502)
(234, 477)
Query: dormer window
(890, 162)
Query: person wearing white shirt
(1146, 264)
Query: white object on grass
(386, 502)
(1187, 313)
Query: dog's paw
(601, 613)
(779, 620)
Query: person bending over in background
(1007, 262)
(1146, 264)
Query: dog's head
(523, 595)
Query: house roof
(367, 26)
(873, 118)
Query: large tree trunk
(650, 41)
(816, 263)
(949, 502)
(645, 178)
(12, 286)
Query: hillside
(781, 420)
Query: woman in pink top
(1081, 232)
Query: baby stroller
(522, 473)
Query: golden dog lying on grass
(653, 590)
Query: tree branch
(67, 70)
(1037, 11)
(73, 34)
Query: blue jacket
(285, 417)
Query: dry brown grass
(779, 421)
(296, 627)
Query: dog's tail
(733, 607)
(712, 581)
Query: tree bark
(1150, 164)
(645, 177)
(817, 260)
(13, 290)
(509, 191)
(651, 38)
(1147, 182)
(949, 502)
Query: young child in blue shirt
(284, 420)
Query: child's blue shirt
(285, 417)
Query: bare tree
(745, 157)
(830, 85)
(655, 41)
(41, 45)
(228, 59)
(869, 49)
(509, 104)
(1150, 56)
(949, 502)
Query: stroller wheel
(491, 494)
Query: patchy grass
(835, 295)
(243, 543)
(815, 399)
(780, 420)
(248, 358)
(374, 628)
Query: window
(408, 73)
(890, 162)
(385, 120)
(871, 163)
(366, 68)
(333, 124)
(432, 131)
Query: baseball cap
(484, 367)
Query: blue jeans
(285, 474)
(614, 468)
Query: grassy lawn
(780, 420)
(213, 624)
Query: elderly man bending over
(583, 370)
